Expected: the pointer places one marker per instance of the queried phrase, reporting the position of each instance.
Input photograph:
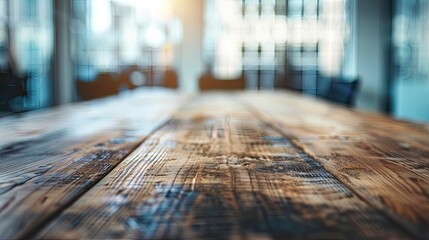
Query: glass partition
(410, 86)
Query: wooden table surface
(156, 164)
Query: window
(271, 39)
(110, 35)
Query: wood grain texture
(50, 157)
(215, 171)
(384, 161)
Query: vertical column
(191, 64)
(63, 84)
(372, 52)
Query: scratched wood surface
(218, 171)
(48, 158)
(252, 165)
(384, 161)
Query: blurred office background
(54, 51)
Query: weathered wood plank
(217, 172)
(384, 161)
(49, 158)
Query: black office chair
(11, 86)
(343, 91)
